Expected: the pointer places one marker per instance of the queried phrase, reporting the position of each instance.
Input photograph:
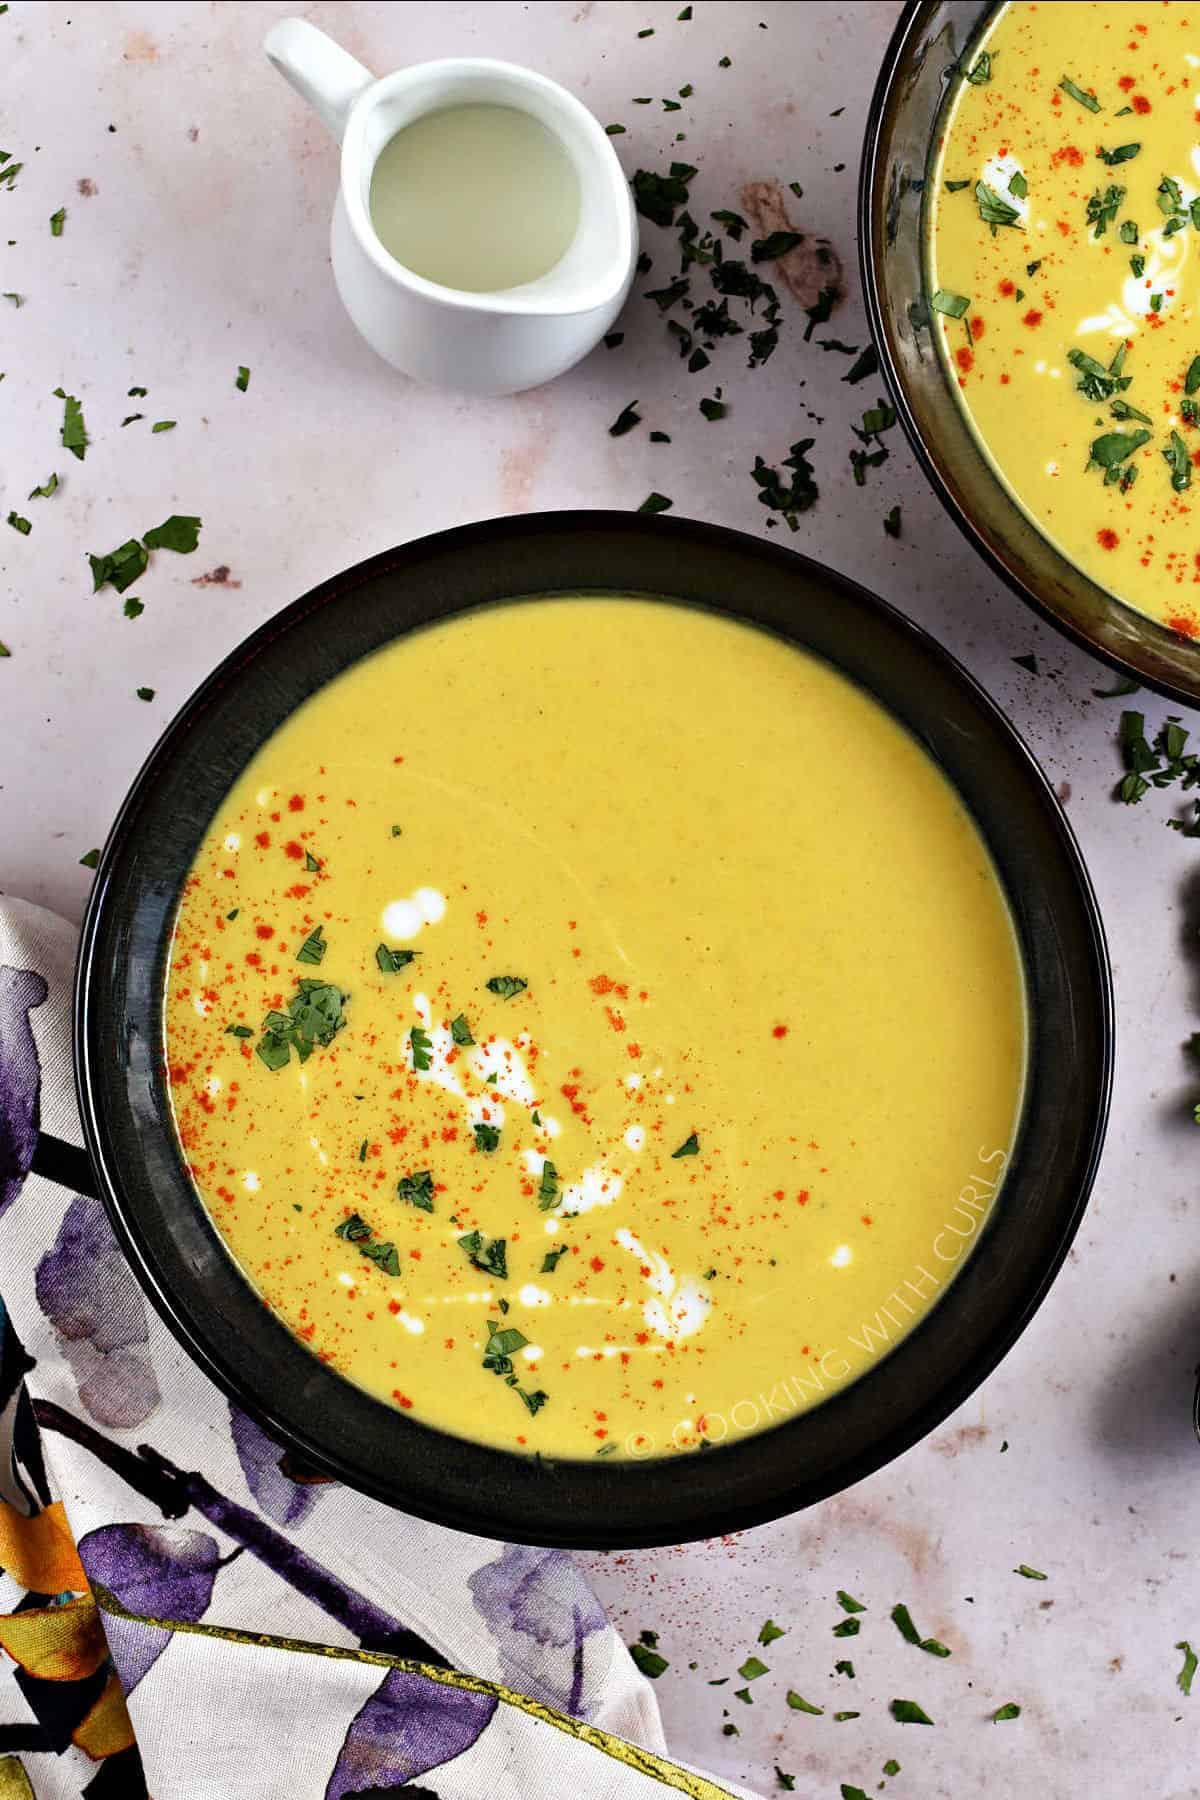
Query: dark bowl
(340, 1429)
(929, 48)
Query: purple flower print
(166, 1571)
(409, 1726)
(286, 1501)
(20, 1078)
(87, 1291)
(541, 1613)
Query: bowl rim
(574, 1501)
(872, 177)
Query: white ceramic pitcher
(489, 343)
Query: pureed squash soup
(1065, 217)
(595, 1027)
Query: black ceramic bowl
(339, 1428)
(930, 47)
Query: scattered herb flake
(752, 1668)
(44, 492)
(821, 311)
(242, 381)
(57, 221)
(1024, 1568)
(1077, 93)
(1010, 1710)
(164, 425)
(994, 210)
(713, 409)
(953, 305)
(313, 949)
(417, 1190)
(867, 364)
(422, 1046)
(20, 524)
(848, 1603)
(981, 69)
(891, 522)
(507, 986)
(548, 1187)
(1183, 1680)
(625, 420)
(145, 693)
(656, 503)
(907, 1712)
(180, 532)
(689, 1147)
(1122, 153)
(848, 1628)
(89, 859)
(798, 1703)
(74, 431)
(460, 1031)
(769, 1631)
(390, 962)
(648, 1661)
(552, 1259)
(487, 1137)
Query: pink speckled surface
(202, 246)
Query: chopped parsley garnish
(311, 865)
(848, 1603)
(1010, 1710)
(1176, 457)
(902, 1620)
(866, 364)
(891, 522)
(689, 1147)
(507, 986)
(659, 437)
(417, 1190)
(839, 1717)
(851, 1793)
(769, 1631)
(733, 222)
(314, 1016)
(1138, 265)
(460, 1031)
(625, 420)
(20, 524)
(1121, 409)
(242, 381)
(1024, 1568)
(1113, 449)
(656, 503)
(774, 245)
(848, 1628)
(1183, 1680)
(1119, 688)
(121, 567)
(1098, 382)
(953, 305)
(18, 300)
(956, 187)
(786, 1782)
(422, 1046)
(994, 210)
(238, 1031)
(614, 131)
(487, 1137)
(548, 1187)
(713, 409)
(1122, 153)
(57, 221)
(137, 393)
(362, 1150)
(390, 962)
(1170, 204)
(1128, 232)
(383, 1256)
(89, 859)
(490, 1255)
(74, 432)
(891, 1766)
(180, 532)
(552, 1259)
(1103, 208)
(1019, 186)
(145, 693)
(164, 425)
(648, 1661)
(47, 488)
(844, 1668)
(680, 18)
(821, 311)
(657, 196)
(980, 70)
(4, 650)
(313, 949)
(798, 1703)
(355, 1229)
(1191, 381)
(752, 1668)
(789, 498)
(1077, 93)
(907, 1712)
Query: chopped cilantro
(18, 300)
(1008, 1711)
(552, 1259)
(689, 1147)
(891, 1766)
(1191, 380)
(354, 1229)
(785, 1781)
(57, 221)
(487, 1137)
(20, 524)
(844, 1668)
(313, 949)
(713, 409)
(907, 1712)
(744, 1695)
(1176, 457)
(1113, 449)
(1018, 186)
(238, 1031)
(848, 1603)
(137, 393)
(798, 1703)
(867, 364)
(1122, 153)
(4, 650)
(733, 222)
(383, 1256)
(89, 859)
(980, 70)
(891, 522)
(1138, 265)
(242, 381)
(1024, 1568)
(311, 865)
(791, 498)
(848, 1628)
(417, 1190)
(775, 245)
(953, 305)
(145, 693)
(994, 210)
(507, 986)
(648, 1661)
(659, 437)
(656, 503)
(657, 196)
(769, 1631)
(614, 131)
(625, 420)
(47, 488)
(548, 1187)
(491, 1256)
(390, 962)
(684, 15)
(73, 432)
(180, 532)
(422, 1046)
(121, 567)
(956, 187)
(460, 1031)
(821, 310)
(839, 1717)
(1183, 1680)
(1102, 208)
(1077, 93)
(314, 1016)
(164, 425)
(752, 1668)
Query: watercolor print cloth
(180, 1615)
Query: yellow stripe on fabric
(644, 1762)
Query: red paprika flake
(964, 359)
(1007, 288)
(1107, 538)
(294, 850)
(296, 803)
(1140, 104)
(1184, 624)
(779, 1031)
(1032, 318)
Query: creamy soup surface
(1065, 211)
(595, 1027)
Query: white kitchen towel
(183, 1616)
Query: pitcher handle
(324, 74)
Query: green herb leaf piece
(902, 1620)
(121, 567)
(552, 1259)
(1018, 186)
(1102, 209)
(657, 196)
(774, 245)
(689, 1147)
(460, 1031)
(1077, 93)
(820, 311)
(1024, 1568)
(789, 498)
(625, 420)
(1183, 1680)
(1125, 685)
(733, 222)
(4, 650)
(242, 380)
(839, 1717)
(1176, 457)
(798, 1703)
(313, 949)
(180, 532)
(1122, 153)
(851, 1793)
(20, 524)
(713, 409)
(422, 1046)
(507, 986)
(891, 1766)
(44, 492)
(993, 208)
(844, 1668)
(848, 1628)
(891, 522)
(89, 859)
(548, 1187)
(848, 1603)
(164, 425)
(1009, 1711)
(238, 1031)
(313, 867)
(57, 221)
(752, 1668)
(907, 1712)
(487, 1137)
(648, 1661)
(1109, 451)
(417, 1190)
(785, 1781)
(18, 300)
(390, 962)
(73, 432)
(953, 305)
(656, 503)
(145, 693)
(867, 364)
(383, 1256)
(354, 1229)
(769, 1631)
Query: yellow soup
(1063, 225)
(595, 1026)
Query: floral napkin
(185, 1615)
